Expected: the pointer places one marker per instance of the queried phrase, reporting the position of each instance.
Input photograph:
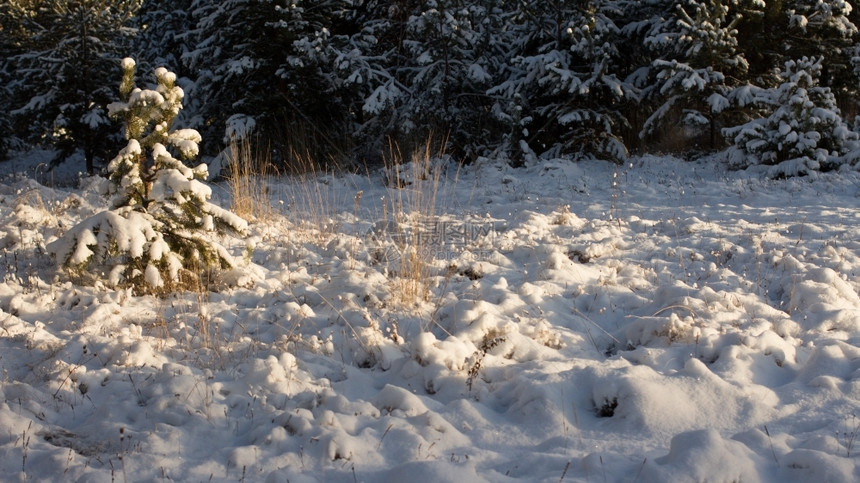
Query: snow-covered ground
(662, 321)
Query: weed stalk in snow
(849, 436)
(25, 446)
(770, 440)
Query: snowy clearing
(662, 321)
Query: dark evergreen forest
(770, 82)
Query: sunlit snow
(661, 321)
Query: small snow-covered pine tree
(157, 229)
(804, 131)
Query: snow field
(661, 321)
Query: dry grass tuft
(312, 198)
(248, 173)
(413, 188)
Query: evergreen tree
(7, 133)
(774, 32)
(8, 48)
(697, 63)
(161, 210)
(327, 63)
(563, 87)
(162, 36)
(824, 29)
(286, 81)
(643, 27)
(233, 63)
(803, 131)
(445, 75)
(365, 49)
(59, 47)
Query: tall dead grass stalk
(413, 187)
(249, 171)
(313, 198)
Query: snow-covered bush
(157, 229)
(804, 130)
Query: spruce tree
(58, 48)
(564, 87)
(803, 130)
(364, 50)
(235, 52)
(163, 34)
(445, 77)
(697, 63)
(326, 61)
(824, 29)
